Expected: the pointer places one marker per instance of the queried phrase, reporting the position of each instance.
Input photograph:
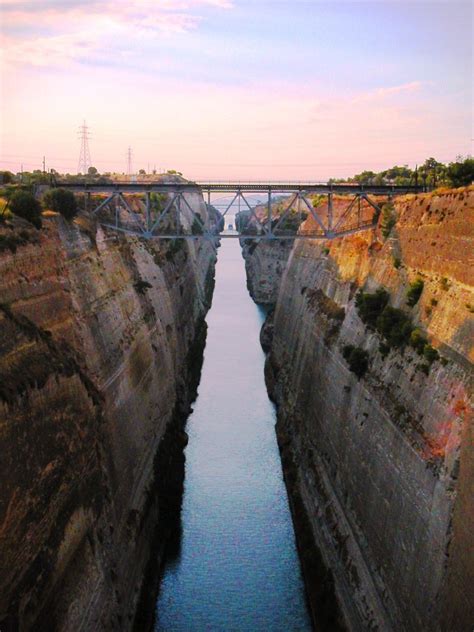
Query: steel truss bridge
(357, 210)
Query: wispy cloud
(76, 30)
(384, 93)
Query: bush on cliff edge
(25, 205)
(61, 201)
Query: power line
(84, 155)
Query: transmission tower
(85, 154)
(129, 161)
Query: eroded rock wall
(264, 265)
(101, 339)
(380, 469)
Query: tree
(92, 171)
(61, 201)
(365, 177)
(25, 205)
(142, 172)
(432, 171)
(461, 173)
(6, 177)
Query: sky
(236, 89)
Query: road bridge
(344, 209)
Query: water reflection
(237, 567)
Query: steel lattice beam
(148, 224)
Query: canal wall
(374, 427)
(264, 265)
(101, 340)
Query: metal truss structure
(358, 209)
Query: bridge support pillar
(148, 211)
(330, 212)
(270, 211)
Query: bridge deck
(228, 187)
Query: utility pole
(44, 164)
(84, 155)
(129, 161)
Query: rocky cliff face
(379, 461)
(264, 265)
(101, 338)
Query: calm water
(237, 569)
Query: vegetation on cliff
(414, 292)
(389, 219)
(25, 205)
(61, 201)
(431, 173)
(393, 324)
(357, 359)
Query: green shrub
(25, 205)
(357, 359)
(389, 219)
(414, 292)
(325, 251)
(370, 306)
(395, 326)
(397, 262)
(418, 341)
(61, 201)
(141, 286)
(430, 354)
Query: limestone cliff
(264, 265)
(379, 460)
(101, 339)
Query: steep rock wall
(380, 469)
(264, 265)
(101, 340)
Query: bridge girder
(150, 223)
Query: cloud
(385, 92)
(54, 33)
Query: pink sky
(213, 89)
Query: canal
(237, 567)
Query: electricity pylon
(129, 161)
(85, 154)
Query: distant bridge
(160, 218)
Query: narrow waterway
(237, 568)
